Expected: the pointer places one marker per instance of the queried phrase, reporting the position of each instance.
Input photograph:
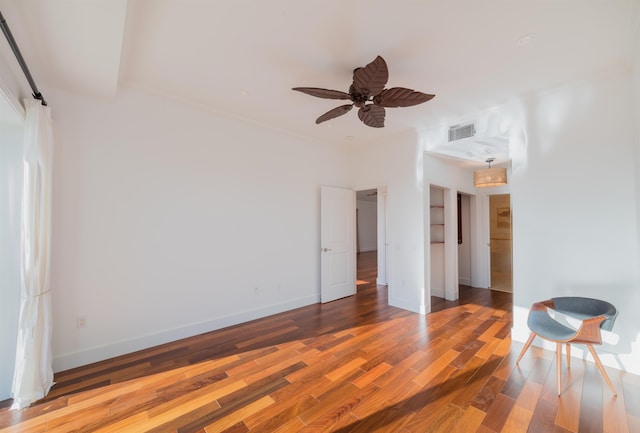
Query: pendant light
(487, 177)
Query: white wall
(367, 225)
(636, 105)
(170, 221)
(10, 213)
(574, 213)
(398, 165)
(11, 129)
(402, 165)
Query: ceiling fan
(367, 92)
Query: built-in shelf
(437, 224)
(437, 241)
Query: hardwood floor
(352, 365)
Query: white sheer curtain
(33, 375)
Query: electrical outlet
(81, 322)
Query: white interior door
(337, 243)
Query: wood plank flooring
(352, 365)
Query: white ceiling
(242, 57)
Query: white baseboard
(464, 281)
(407, 305)
(437, 292)
(94, 354)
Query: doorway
(465, 257)
(501, 243)
(371, 236)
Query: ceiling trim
(12, 101)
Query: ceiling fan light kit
(368, 93)
(488, 177)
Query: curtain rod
(16, 51)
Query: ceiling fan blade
(336, 112)
(371, 79)
(372, 115)
(400, 97)
(323, 93)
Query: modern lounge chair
(595, 315)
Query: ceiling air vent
(458, 132)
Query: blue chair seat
(548, 328)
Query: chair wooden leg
(559, 366)
(526, 346)
(601, 368)
(568, 346)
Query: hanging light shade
(487, 177)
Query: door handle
(324, 250)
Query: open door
(500, 245)
(337, 243)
